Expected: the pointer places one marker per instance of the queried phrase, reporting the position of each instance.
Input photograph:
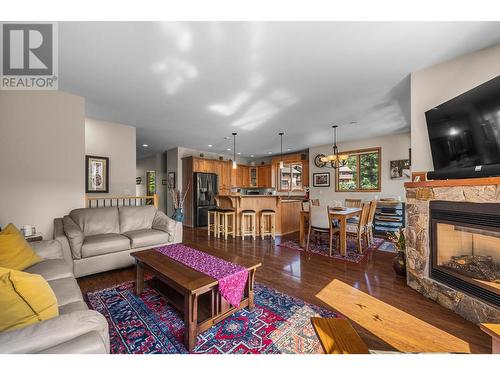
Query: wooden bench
(337, 336)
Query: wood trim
(455, 182)
(360, 152)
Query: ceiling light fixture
(210, 145)
(281, 152)
(336, 159)
(234, 151)
(270, 152)
(145, 145)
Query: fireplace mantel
(455, 182)
(418, 198)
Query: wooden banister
(113, 201)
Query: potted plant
(178, 202)
(399, 241)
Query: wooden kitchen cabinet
(264, 176)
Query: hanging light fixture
(281, 153)
(336, 159)
(234, 151)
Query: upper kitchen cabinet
(264, 179)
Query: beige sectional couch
(101, 239)
(76, 330)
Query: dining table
(335, 214)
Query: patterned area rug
(279, 323)
(323, 248)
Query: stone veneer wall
(418, 248)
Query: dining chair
(370, 220)
(358, 231)
(349, 202)
(305, 205)
(314, 202)
(319, 222)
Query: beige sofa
(76, 330)
(101, 239)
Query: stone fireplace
(453, 245)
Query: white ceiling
(192, 84)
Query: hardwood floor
(387, 314)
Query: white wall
(394, 147)
(153, 163)
(118, 142)
(439, 83)
(42, 148)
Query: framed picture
(400, 169)
(321, 179)
(171, 180)
(96, 174)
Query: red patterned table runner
(232, 277)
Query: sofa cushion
(25, 299)
(66, 290)
(103, 244)
(94, 221)
(135, 218)
(74, 235)
(147, 237)
(51, 269)
(15, 252)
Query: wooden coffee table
(193, 293)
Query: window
(290, 177)
(361, 172)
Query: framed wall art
(321, 179)
(96, 174)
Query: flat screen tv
(465, 131)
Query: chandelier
(336, 159)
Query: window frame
(290, 189)
(357, 153)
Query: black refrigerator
(205, 190)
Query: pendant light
(335, 159)
(281, 153)
(234, 151)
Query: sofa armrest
(177, 233)
(48, 249)
(60, 236)
(42, 336)
(166, 224)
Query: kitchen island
(287, 210)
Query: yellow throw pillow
(25, 299)
(15, 252)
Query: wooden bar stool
(248, 228)
(212, 224)
(267, 223)
(225, 226)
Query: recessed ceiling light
(270, 152)
(145, 145)
(289, 149)
(210, 145)
(228, 149)
(238, 153)
(251, 156)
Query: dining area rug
(147, 324)
(322, 247)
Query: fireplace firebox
(465, 247)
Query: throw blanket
(232, 277)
